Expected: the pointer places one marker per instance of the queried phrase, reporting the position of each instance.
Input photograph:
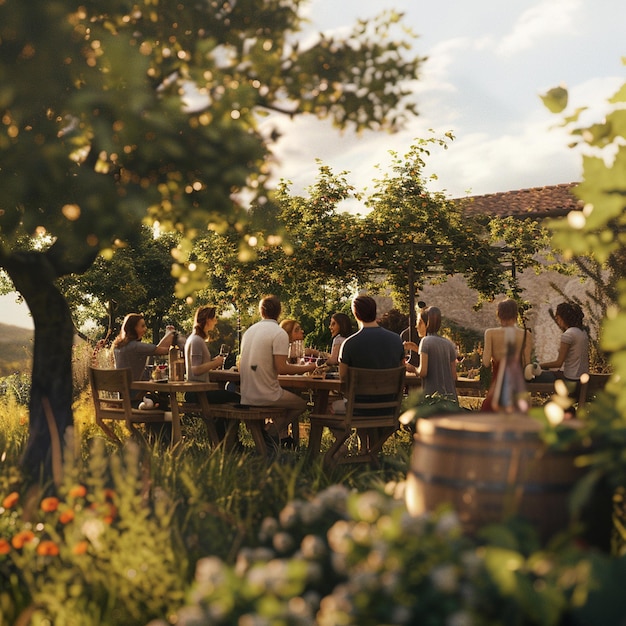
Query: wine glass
(407, 356)
(459, 357)
(224, 352)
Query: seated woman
(198, 362)
(437, 363)
(130, 351)
(295, 332)
(496, 342)
(340, 329)
(572, 360)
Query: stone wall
(456, 301)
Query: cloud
(546, 19)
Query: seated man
(372, 347)
(264, 351)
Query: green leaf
(555, 99)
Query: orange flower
(49, 504)
(107, 509)
(5, 546)
(11, 500)
(23, 537)
(66, 517)
(111, 514)
(48, 548)
(109, 494)
(80, 547)
(79, 491)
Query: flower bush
(91, 551)
(360, 559)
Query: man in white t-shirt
(264, 351)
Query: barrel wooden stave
(489, 467)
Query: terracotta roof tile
(536, 202)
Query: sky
(488, 62)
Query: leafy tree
(410, 231)
(137, 277)
(100, 133)
(596, 234)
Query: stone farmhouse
(456, 299)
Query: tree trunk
(33, 275)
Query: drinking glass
(296, 352)
(224, 352)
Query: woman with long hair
(340, 329)
(129, 349)
(572, 360)
(437, 364)
(199, 362)
(296, 333)
(497, 342)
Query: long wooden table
(177, 406)
(321, 387)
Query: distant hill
(16, 349)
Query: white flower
(448, 523)
(370, 505)
(414, 525)
(250, 619)
(290, 515)
(257, 579)
(314, 573)
(396, 489)
(301, 609)
(312, 512)
(93, 529)
(471, 562)
(334, 497)
(210, 575)
(400, 615)
(190, 616)
(461, 618)
(313, 547)
(339, 562)
(445, 578)
(283, 542)
(340, 536)
(262, 555)
(269, 526)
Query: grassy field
(16, 349)
(141, 534)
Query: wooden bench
(254, 417)
(591, 385)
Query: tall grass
(195, 535)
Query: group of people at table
(265, 347)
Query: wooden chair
(111, 393)
(372, 409)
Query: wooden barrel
(490, 466)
